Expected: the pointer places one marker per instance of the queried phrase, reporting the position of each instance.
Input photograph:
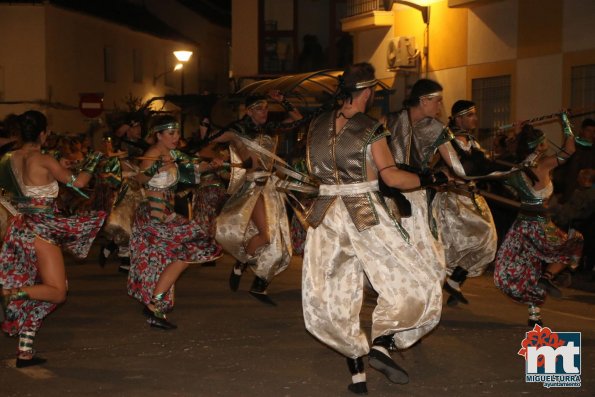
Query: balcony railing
(358, 7)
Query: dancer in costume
(253, 225)
(126, 138)
(32, 274)
(352, 236)
(534, 249)
(467, 228)
(415, 137)
(163, 243)
(209, 197)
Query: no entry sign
(91, 105)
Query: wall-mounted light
(419, 5)
(160, 75)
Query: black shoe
(124, 265)
(110, 248)
(358, 388)
(259, 291)
(457, 296)
(236, 275)
(550, 288)
(158, 322)
(532, 323)
(387, 366)
(24, 363)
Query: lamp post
(178, 66)
(182, 57)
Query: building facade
(518, 59)
(50, 55)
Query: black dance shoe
(158, 322)
(455, 296)
(387, 366)
(358, 388)
(550, 288)
(259, 291)
(24, 363)
(236, 275)
(124, 266)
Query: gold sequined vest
(340, 159)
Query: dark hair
(250, 99)
(588, 123)
(457, 107)
(32, 123)
(527, 135)
(461, 105)
(161, 120)
(420, 88)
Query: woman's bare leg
(169, 276)
(260, 221)
(50, 267)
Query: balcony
(365, 15)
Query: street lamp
(178, 66)
(182, 57)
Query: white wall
(492, 32)
(370, 46)
(212, 57)
(22, 56)
(578, 32)
(539, 90)
(454, 83)
(244, 37)
(75, 64)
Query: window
(278, 37)
(582, 86)
(137, 66)
(109, 65)
(492, 95)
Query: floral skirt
(530, 245)
(154, 244)
(18, 259)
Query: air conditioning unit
(401, 53)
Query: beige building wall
(536, 42)
(212, 56)
(244, 38)
(80, 40)
(51, 55)
(492, 32)
(22, 57)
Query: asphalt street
(230, 344)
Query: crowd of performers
(393, 205)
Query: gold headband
(464, 112)
(365, 84)
(172, 125)
(431, 95)
(258, 103)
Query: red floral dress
(157, 242)
(39, 217)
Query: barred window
(492, 95)
(582, 86)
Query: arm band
(566, 125)
(287, 105)
(152, 170)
